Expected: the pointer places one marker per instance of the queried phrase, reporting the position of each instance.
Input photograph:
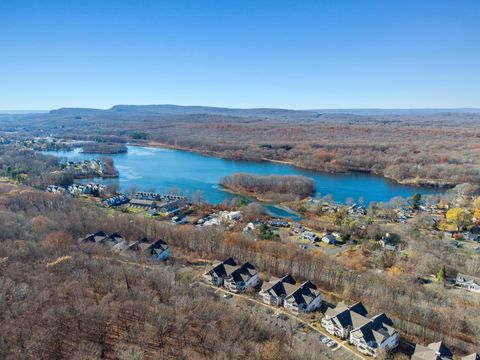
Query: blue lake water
(156, 169)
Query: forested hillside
(427, 147)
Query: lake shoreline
(420, 183)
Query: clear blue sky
(290, 54)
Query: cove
(149, 168)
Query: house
(376, 334)
(145, 195)
(217, 273)
(329, 239)
(309, 236)
(159, 250)
(179, 220)
(115, 201)
(279, 223)
(468, 282)
(276, 290)
(114, 241)
(252, 226)
(143, 204)
(94, 238)
(139, 246)
(339, 321)
(171, 207)
(242, 278)
(231, 215)
(297, 228)
(434, 351)
(55, 189)
(304, 299)
(474, 356)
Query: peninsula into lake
(278, 188)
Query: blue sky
(240, 53)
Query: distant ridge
(258, 113)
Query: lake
(156, 169)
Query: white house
(304, 299)
(434, 351)
(329, 239)
(339, 321)
(231, 215)
(467, 282)
(376, 334)
(242, 278)
(217, 273)
(275, 291)
(310, 236)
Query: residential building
(159, 250)
(114, 241)
(216, 274)
(309, 236)
(143, 204)
(434, 351)
(468, 282)
(376, 334)
(115, 201)
(94, 238)
(171, 206)
(304, 299)
(279, 223)
(276, 290)
(339, 321)
(231, 215)
(329, 239)
(242, 278)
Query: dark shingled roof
(279, 287)
(242, 273)
(224, 268)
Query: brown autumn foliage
(435, 149)
(277, 188)
(106, 291)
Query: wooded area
(39, 228)
(439, 149)
(277, 188)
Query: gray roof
(376, 330)
(280, 287)
(434, 351)
(304, 294)
(468, 279)
(344, 316)
(96, 237)
(242, 273)
(157, 248)
(224, 268)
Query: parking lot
(301, 334)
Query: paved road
(343, 345)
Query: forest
(41, 228)
(277, 188)
(61, 300)
(424, 148)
